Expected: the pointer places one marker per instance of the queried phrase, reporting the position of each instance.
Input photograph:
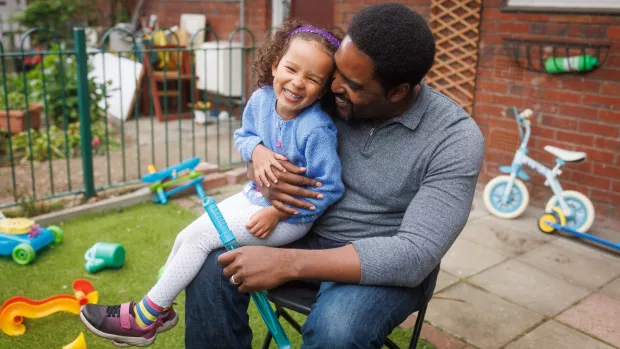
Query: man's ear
(274, 65)
(398, 93)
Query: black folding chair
(299, 296)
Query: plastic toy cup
(104, 255)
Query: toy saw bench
(180, 177)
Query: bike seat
(566, 155)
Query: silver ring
(232, 280)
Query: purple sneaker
(117, 324)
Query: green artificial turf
(147, 231)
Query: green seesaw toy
(158, 178)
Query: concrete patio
(517, 288)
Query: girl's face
(299, 78)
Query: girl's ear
(274, 66)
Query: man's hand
(262, 268)
(263, 222)
(258, 268)
(262, 161)
(289, 184)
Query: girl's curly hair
(276, 45)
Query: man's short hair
(397, 39)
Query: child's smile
(300, 77)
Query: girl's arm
(246, 137)
(248, 142)
(323, 165)
(263, 222)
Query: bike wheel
(517, 200)
(583, 215)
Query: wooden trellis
(455, 24)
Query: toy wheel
(59, 235)
(555, 217)
(517, 200)
(23, 254)
(542, 223)
(583, 211)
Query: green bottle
(571, 64)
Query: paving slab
(575, 263)
(466, 258)
(554, 335)
(612, 289)
(598, 315)
(487, 232)
(529, 287)
(527, 222)
(484, 319)
(445, 280)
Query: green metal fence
(77, 120)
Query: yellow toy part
(542, 223)
(15, 225)
(78, 343)
(555, 217)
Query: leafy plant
(61, 86)
(14, 95)
(56, 144)
(14, 100)
(59, 16)
(29, 207)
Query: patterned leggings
(197, 240)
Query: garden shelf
(532, 54)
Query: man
(410, 158)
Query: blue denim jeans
(344, 316)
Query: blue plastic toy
(260, 298)
(172, 173)
(21, 238)
(556, 221)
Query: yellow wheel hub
(542, 223)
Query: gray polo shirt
(409, 186)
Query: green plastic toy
(104, 255)
(580, 63)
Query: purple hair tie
(310, 29)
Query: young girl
(282, 120)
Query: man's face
(358, 95)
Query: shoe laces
(113, 311)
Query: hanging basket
(557, 57)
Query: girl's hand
(262, 160)
(263, 222)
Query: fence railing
(77, 120)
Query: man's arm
(433, 220)
(263, 268)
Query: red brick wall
(575, 112)
(223, 17)
(345, 9)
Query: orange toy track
(15, 309)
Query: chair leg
(268, 337)
(417, 329)
(290, 320)
(267, 340)
(391, 345)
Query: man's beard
(350, 118)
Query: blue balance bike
(507, 197)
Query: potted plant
(201, 109)
(15, 103)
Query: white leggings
(197, 240)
